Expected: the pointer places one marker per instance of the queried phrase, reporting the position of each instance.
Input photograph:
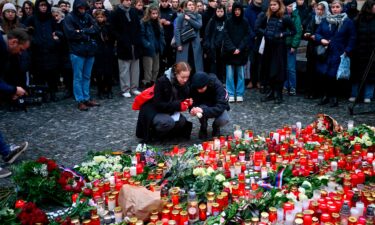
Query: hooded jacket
(44, 49)
(236, 36)
(214, 34)
(80, 30)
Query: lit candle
(350, 125)
(118, 214)
(276, 137)
(133, 170)
(280, 215)
(232, 172)
(334, 166)
(111, 180)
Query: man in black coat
(210, 100)
(127, 30)
(14, 43)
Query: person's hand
(313, 37)
(324, 42)
(193, 111)
(19, 93)
(292, 50)
(54, 36)
(167, 23)
(189, 101)
(236, 52)
(187, 17)
(183, 106)
(179, 48)
(281, 35)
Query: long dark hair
(147, 16)
(366, 9)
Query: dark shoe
(278, 100)
(14, 153)
(82, 106)
(269, 97)
(216, 131)
(91, 103)
(324, 101)
(4, 173)
(334, 102)
(202, 134)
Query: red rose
(87, 192)
(42, 160)
(51, 165)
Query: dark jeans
(219, 121)
(164, 123)
(4, 148)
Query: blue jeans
(291, 71)
(369, 90)
(4, 148)
(240, 88)
(81, 76)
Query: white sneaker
(231, 99)
(136, 92)
(239, 99)
(127, 94)
(367, 100)
(352, 99)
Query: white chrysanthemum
(279, 194)
(301, 190)
(306, 184)
(220, 177)
(368, 143)
(107, 175)
(210, 170)
(99, 158)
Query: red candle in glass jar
(138, 156)
(21, 203)
(307, 219)
(175, 149)
(241, 177)
(139, 168)
(354, 179)
(325, 218)
(272, 216)
(361, 177)
(118, 185)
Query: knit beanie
(9, 6)
(200, 79)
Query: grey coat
(196, 23)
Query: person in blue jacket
(14, 43)
(337, 32)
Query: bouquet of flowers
(37, 181)
(103, 166)
(30, 214)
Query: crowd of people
(136, 43)
(187, 51)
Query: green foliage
(204, 184)
(36, 184)
(8, 216)
(8, 197)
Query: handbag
(188, 35)
(343, 72)
(321, 52)
(143, 97)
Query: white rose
(368, 143)
(291, 196)
(226, 184)
(197, 172)
(306, 184)
(99, 158)
(279, 194)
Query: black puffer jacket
(236, 36)
(365, 44)
(81, 30)
(272, 28)
(215, 98)
(127, 34)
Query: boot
(324, 100)
(279, 97)
(334, 102)
(216, 131)
(269, 97)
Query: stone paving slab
(60, 131)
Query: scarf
(318, 19)
(337, 20)
(127, 10)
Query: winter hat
(288, 2)
(9, 6)
(200, 79)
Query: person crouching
(210, 100)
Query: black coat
(275, 52)
(311, 28)
(81, 30)
(5, 69)
(304, 13)
(153, 42)
(236, 36)
(44, 49)
(127, 34)
(104, 56)
(215, 98)
(168, 96)
(170, 15)
(365, 45)
(214, 36)
(206, 16)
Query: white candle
(232, 172)
(111, 180)
(289, 218)
(354, 212)
(133, 171)
(217, 144)
(350, 124)
(361, 207)
(276, 137)
(334, 166)
(299, 125)
(280, 215)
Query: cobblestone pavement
(60, 131)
